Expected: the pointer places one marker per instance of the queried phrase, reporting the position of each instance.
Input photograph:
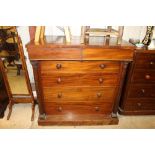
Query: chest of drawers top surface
(55, 48)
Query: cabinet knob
(151, 63)
(139, 104)
(100, 80)
(99, 95)
(59, 95)
(102, 66)
(143, 91)
(97, 108)
(59, 80)
(58, 66)
(59, 109)
(147, 77)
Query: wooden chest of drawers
(140, 87)
(78, 84)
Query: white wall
(136, 32)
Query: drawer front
(78, 108)
(140, 104)
(79, 79)
(48, 53)
(142, 91)
(145, 61)
(62, 94)
(143, 76)
(50, 67)
(108, 54)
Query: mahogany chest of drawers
(139, 97)
(79, 84)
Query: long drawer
(62, 94)
(50, 67)
(143, 76)
(80, 79)
(141, 91)
(77, 108)
(140, 104)
(145, 61)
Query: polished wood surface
(78, 94)
(139, 96)
(99, 42)
(78, 79)
(85, 119)
(75, 108)
(79, 83)
(55, 48)
(146, 61)
(143, 76)
(50, 67)
(142, 91)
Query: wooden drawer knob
(97, 108)
(59, 95)
(58, 66)
(59, 80)
(100, 80)
(147, 77)
(139, 104)
(143, 91)
(99, 95)
(102, 66)
(59, 109)
(151, 63)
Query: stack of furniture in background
(87, 31)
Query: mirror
(12, 61)
(15, 69)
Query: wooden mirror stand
(13, 97)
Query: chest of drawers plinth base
(76, 120)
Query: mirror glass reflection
(11, 60)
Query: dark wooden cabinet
(79, 84)
(139, 96)
(3, 95)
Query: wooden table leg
(10, 109)
(33, 111)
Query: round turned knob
(97, 108)
(59, 80)
(151, 63)
(58, 66)
(102, 66)
(59, 109)
(99, 95)
(100, 80)
(139, 104)
(147, 77)
(143, 91)
(59, 95)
